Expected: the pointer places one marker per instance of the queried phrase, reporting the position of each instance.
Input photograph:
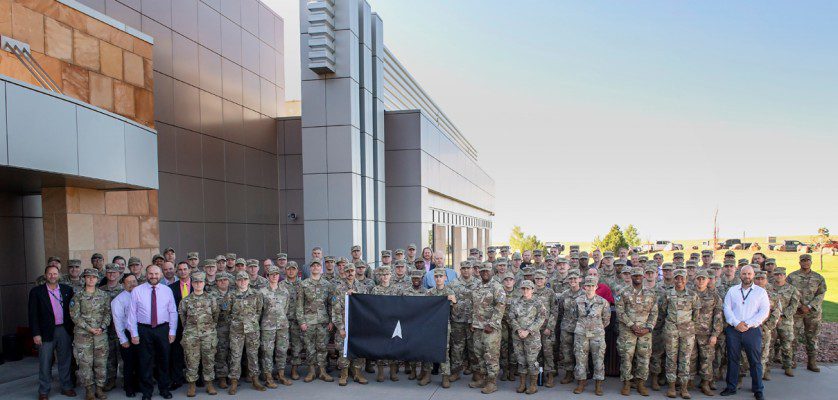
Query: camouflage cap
(329, 259)
(192, 255)
(272, 269)
(220, 257)
(231, 256)
(527, 285)
(281, 256)
(54, 258)
(681, 272)
(572, 274)
(508, 275)
(134, 261)
(583, 255)
(291, 264)
(96, 256)
(252, 263)
(591, 281)
(343, 260)
(349, 267)
(678, 254)
(73, 262)
(574, 256)
(539, 274)
(780, 271)
(678, 265)
(667, 266)
(111, 267)
(504, 248)
(399, 263)
(608, 254)
(417, 273)
(706, 253)
(627, 271)
(537, 252)
(209, 262)
(242, 275)
(241, 261)
(729, 263)
(715, 265)
(168, 249)
(383, 270)
(528, 270)
(439, 272)
(90, 272)
(805, 256)
(650, 268)
(730, 253)
(517, 256)
(314, 261)
(465, 264)
(501, 261)
(386, 253)
(492, 249)
(636, 271)
(223, 275)
(486, 266)
(411, 246)
(356, 248)
(652, 263)
(760, 274)
(473, 250)
(619, 262)
(695, 255)
(702, 273)
(643, 258)
(360, 264)
(770, 261)
(691, 264)
(156, 257)
(399, 251)
(550, 258)
(743, 261)
(198, 277)
(561, 260)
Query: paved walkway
(19, 380)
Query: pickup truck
(661, 245)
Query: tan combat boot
(522, 383)
(705, 388)
(254, 380)
(424, 377)
(532, 388)
(89, 393)
(766, 374)
(269, 381)
(211, 389)
(455, 376)
(685, 394)
(324, 376)
(411, 372)
(641, 387)
(812, 365)
(671, 393)
(598, 387)
(490, 386)
(477, 381)
(510, 375)
(222, 382)
(626, 390)
(379, 374)
(100, 394)
(394, 372)
(549, 380)
(789, 372)
(294, 374)
(344, 376)
(568, 377)
(655, 385)
(190, 390)
(234, 386)
(310, 376)
(281, 378)
(110, 384)
(446, 381)
(359, 376)
(580, 387)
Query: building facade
(166, 128)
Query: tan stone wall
(89, 59)
(79, 222)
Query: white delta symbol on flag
(398, 331)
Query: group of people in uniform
(515, 317)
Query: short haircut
(51, 266)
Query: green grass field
(829, 267)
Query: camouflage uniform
(508, 357)
(222, 327)
(246, 308)
(548, 342)
(658, 345)
(409, 290)
(722, 286)
(681, 309)
(91, 311)
(529, 315)
(640, 308)
(593, 316)
(274, 334)
(338, 311)
(198, 313)
(812, 288)
(770, 323)
(462, 345)
(113, 339)
(568, 316)
(313, 310)
(385, 291)
(789, 298)
(295, 335)
(488, 304)
(709, 322)
(444, 367)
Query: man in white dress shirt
(746, 308)
(119, 310)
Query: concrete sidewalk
(19, 380)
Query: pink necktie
(153, 308)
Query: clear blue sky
(590, 113)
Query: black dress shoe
(759, 396)
(130, 394)
(175, 385)
(166, 395)
(727, 392)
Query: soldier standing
(291, 283)
(789, 298)
(401, 279)
(274, 334)
(567, 327)
(637, 313)
(112, 287)
(348, 286)
(198, 313)
(386, 289)
(658, 345)
(708, 326)
(681, 307)
(462, 346)
(508, 357)
(593, 316)
(488, 305)
(527, 318)
(440, 289)
(768, 326)
(807, 320)
(246, 308)
(416, 288)
(547, 332)
(257, 282)
(90, 310)
(313, 314)
(223, 298)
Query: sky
(651, 113)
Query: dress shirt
(140, 310)
(427, 265)
(185, 287)
(119, 311)
(57, 304)
(428, 280)
(753, 311)
(605, 292)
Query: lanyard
(57, 298)
(745, 296)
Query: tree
(632, 236)
(520, 241)
(823, 236)
(613, 241)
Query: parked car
(661, 245)
(730, 243)
(792, 245)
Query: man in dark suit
(176, 357)
(51, 327)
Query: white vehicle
(661, 245)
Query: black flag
(406, 328)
